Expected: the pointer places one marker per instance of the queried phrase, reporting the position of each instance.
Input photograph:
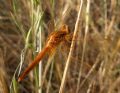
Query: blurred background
(95, 61)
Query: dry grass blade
(114, 85)
(91, 70)
(50, 77)
(71, 49)
(84, 44)
(90, 87)
(10, 44)
(3, 83)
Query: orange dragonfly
(54, 39)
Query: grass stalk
(50, 77)
(84, 44)
(71, 50)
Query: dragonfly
(53, 41)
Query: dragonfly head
(65, 28)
